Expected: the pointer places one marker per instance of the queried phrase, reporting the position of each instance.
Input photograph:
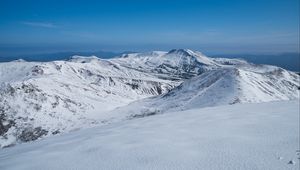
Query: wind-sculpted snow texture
(258, 136)
(40, 99)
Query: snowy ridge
(45, 98)
(227, 85)
(235, 85)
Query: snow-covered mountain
(176, 64)
(45, 98)
(39, 99)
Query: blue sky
(211, 26)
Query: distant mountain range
(289, 61)
(44, 57)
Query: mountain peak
(187, 52)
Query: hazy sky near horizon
(212, 26)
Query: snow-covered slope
(226, 85)
(38, 99)
(45, 98)
(243, 136)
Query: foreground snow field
(242, 136)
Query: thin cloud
(40, 24)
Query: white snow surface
(258, 136)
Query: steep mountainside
(39, 99)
